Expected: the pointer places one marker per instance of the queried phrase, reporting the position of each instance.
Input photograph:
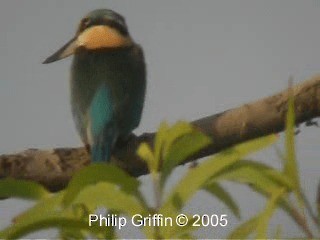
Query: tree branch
(54, 168)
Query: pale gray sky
(203, 57)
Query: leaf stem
(157, 195)
(314, 217)
(300, 220)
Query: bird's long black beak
(67, 50)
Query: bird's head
(100, 29)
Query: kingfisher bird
(108, 81)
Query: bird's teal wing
(102, 127)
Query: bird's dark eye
(84, 24)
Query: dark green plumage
(123, 72)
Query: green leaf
(216, 190)
(278, 177)
(265, 216)
(269, 172)
(96, 173)
(245, 229)
(261, 178)
(21, 229)
(255, 180)
(172, 146)
(184, 147)
(27, 221)
(197, 177)
(291, 166)
(43, 208)
(160, 140)
(178, 130)
(22, 189)
(146, 154)
(258, 178)
(257, 175)
(109, 195)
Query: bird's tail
(103, 145)
(100, 153)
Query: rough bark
(54, 168)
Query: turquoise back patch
(101, 111)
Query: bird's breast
(92, 68)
